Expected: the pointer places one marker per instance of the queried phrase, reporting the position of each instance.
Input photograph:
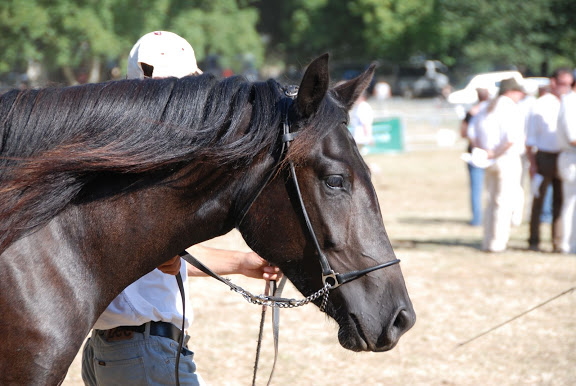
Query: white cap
(168, 53)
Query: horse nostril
(404, 320)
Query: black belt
(163, 329)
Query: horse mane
(53, 140)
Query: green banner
(388, 135)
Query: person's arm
(464, 128)
(466, 121)
(501, 149)
(534, 121)
(530, 150)
(172, 266)
(471, 128)
(226, 262)
(567, 118)
(570, 119)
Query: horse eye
(335, 181)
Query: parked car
(420, 79)
(468, 96)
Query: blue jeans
(546, 215)
(476, 190)
(141, 360)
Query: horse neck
(151, 225)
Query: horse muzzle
(363, 330)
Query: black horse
(101, 183)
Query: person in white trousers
(567, 170)
(498, 129)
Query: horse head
(374, 309)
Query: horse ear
(349, 91)
(313, 87)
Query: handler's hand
(172, 266)
(252, 265)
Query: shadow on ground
(452, 242)
(432, 221)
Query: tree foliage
(360, 29)
(70, 37)
(488, 33)
(75, 36)
(476, 34)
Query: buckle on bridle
(331, 279)
(291, 91)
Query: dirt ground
(458, 292)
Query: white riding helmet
(162, 54)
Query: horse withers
(101, 183)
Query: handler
(135, 340)
(567, 169)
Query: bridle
(330, 278)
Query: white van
(466, 97)
(488, 80)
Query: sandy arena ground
(458, 291)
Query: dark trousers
(546, 166)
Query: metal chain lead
(268, 301)
(325, 298)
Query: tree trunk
(36, 74)
(69, 75)
(95, 70)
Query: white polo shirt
(542, 124)
(154, 297)
(504, 124)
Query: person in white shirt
(567, 170)
(361, 121)
(542, 148)
(475, 173)
(135, 340)
(498, 129)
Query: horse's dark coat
(101, 183)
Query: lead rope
(276, 326)
(181, 337)
(276, 293)
(260, 335)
